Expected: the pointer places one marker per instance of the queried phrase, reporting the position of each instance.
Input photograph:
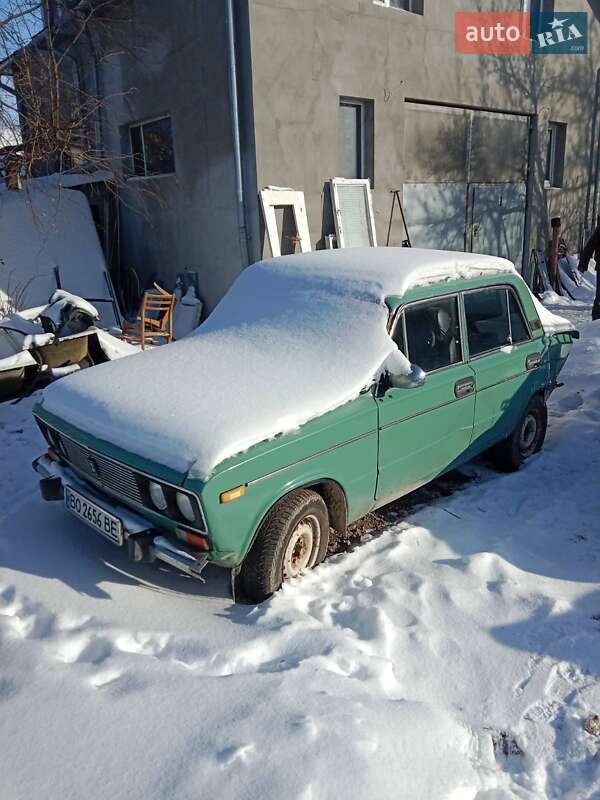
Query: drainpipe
(97, 81)
(596, 189)
(235, 123)
(532, 136)
(593, 178)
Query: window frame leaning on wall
(140, 124)
(273, 198)
(339, 184)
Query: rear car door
(424, 431)
(505, 359)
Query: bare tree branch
(24, 11)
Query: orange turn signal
(233, 494)
(195, 540)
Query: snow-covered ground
(454, 655)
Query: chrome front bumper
(143, 541)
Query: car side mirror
(415, 378)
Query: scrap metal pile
(41, 344)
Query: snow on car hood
(294, 337)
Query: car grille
(117, 478)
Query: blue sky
(20, 30)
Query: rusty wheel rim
(528, 436)
(303, 547)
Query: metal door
(497, 220)
(467, 176)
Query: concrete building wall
(173, 61)
(306, 54)
(296, 58)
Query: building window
(538, 6)
(555, 154)
(415, 6)
(152, 147)
(355, 138)
(535, 7)
(54, 12)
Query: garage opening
(466, 179)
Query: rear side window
(432, 334)
(487, 320)
(494, 320)
(518, 327)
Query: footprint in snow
(231, 755)
(106, 678)
(85, 649)
(505, 745)
(27, 621)
(33, 625)
(142, 644)
(361, 582)
(116, 682)
(570, 403)
(8, 688)
(305, 726)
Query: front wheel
(293, 538)
(526, 439)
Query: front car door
(504, 357)
(424, 432)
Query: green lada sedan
(321, 387)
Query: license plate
(109, 526)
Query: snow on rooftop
(47, 232)
(294, 337)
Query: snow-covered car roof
(385, 271)
(293, 338)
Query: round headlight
(186, 507)
(157, 495)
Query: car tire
(526, 439)
(292, 539)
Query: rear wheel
(526, 439)
(292, 539)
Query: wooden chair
(155, 319)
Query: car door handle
(533, 361)
(464, 387)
